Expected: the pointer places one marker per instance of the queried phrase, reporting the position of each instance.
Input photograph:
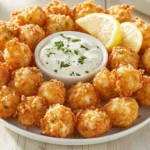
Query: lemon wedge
(104, 27)
(131, 36)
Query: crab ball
(5, 73)
(92, 122)
(57, 23)
(102, 84)
(143, 94)
(57, 7)
(26, 81)
(7, 32)
(31, 35)
(122, 13)
(53, 91)
(121, 55)
(17, 54)
(59, 121)
(31, 110)
(82, 95)
(29, 15)
(126, 80)
(82, 9)
(123, 111)
(9, 100)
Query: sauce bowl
(70, 80)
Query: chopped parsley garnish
(59, 45)
(47, 63)
(97, 46)
(86, 71)
(82, 46)
(34, 41)
(76, 40)
(48, 55)
(64, 64)
(81, 59)
(6, 107)
(71, 74)
(76, 52)
(65, 37)
(53, 120)
(67, 51)
(55, 70)
(77, 74)
(10, 32)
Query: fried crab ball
(122, 13)
(82, 95)
(146, 60)
(121, 55)
(145, 29)
(29, 15)
(57, 7)
(102, 84)
(126, 80)
(143, 94)
(123, 111)
(82, 9)
(31, 35)
(26, 81)
(56, 23)
(31, 110)
(5, 72)
(59, 121)
(53, 91)
(7, 32)
(17, 54)
(92, 122)
(9, 100)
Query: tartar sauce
(69, 55)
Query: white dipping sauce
(69, 55)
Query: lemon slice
(104, 27)
(131, 36)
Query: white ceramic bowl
(70, 80)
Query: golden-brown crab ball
(9, 100)
(122, 13)
(5, 72)
(59, 121)
(92, 122)
(126, 80)
(31, 110)
(82, 9)
(82, 95)
(145, 60)
(57, 7)
(143, 94)
(17, 54)
(7, 32)
(26, 80)
(53, 91)
(29, 15)
(123, 111)
(121, 55)
(102, 84)
(31, 35)
(145, 29)
(56, 23)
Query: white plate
(34, 133)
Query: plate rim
(67, 141)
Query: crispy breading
(59, 121)
(122, 13)
(26, 80)
(123, 111)
(9, 100)
(31, 35)
(92, 122)
(53, 91)
(31, 110)
(29, 15)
